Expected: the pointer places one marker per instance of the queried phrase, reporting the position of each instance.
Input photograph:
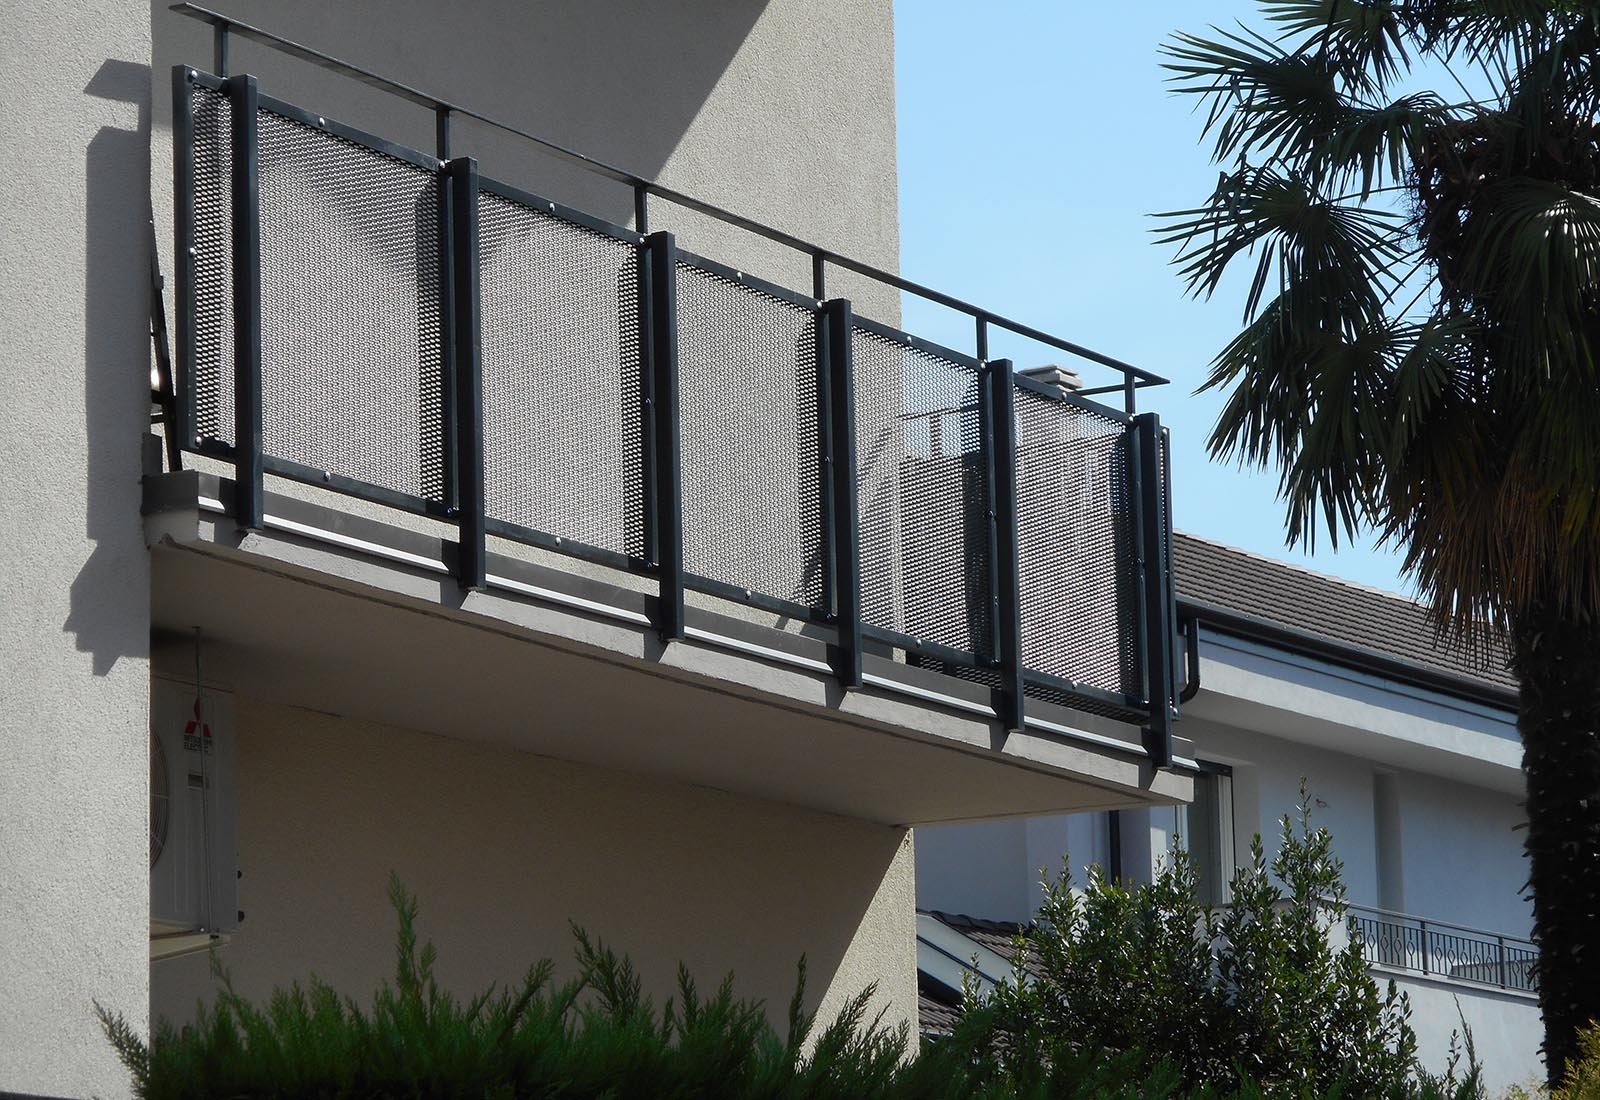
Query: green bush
(597, 1036)
(1254, 994)
(1126, 1003)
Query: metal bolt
(326, 476)
(193, 74)
(558, 540)
(321, 121)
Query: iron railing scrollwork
(1439, 949)
(393, 325)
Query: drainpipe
(1190, 628)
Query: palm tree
(1419, 350)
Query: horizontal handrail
(1441, 925)
(1441, 949)
(1135, 377)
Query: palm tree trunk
(1557, 662)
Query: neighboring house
(497, 543)
(1412, 760)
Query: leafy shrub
(1255, 993)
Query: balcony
(1445, 951)
(531, 407)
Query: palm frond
(1368, 40)
(1334, 253)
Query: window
(1205, 829)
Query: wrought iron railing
(391, 324)
(1400, 941)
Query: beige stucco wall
(779, 110)
(504, 847)
(74, 603)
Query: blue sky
(1035, 139)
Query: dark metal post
(1170, 618)
(1136, 532)
(471, 551)
(184, 262)
(1500, 958)
(244, 97)
(1422, 935)
(1156, 606)
(1007, 572)
(982, 335)
(838, 319)
(819, 276)
(641, 209)
(1130, 394)
(1114, 843)
(441, 132)
(662, 254)
(445, 217)
(219, 47)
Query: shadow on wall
(116, 375)
(619, 80)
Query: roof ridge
(959, 921)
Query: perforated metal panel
(352, 360)
(750, 438)
(922, 498)
(1074, 533)
(561, 362)
(211, 116)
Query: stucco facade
(503, 848)
(74, 609)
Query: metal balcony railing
(1439, 949)
(394, 325)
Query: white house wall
(74, 604)
(504, 848)
(1463, 854)
(1506, 1030)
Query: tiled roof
(937, 1012)
(1335, 610)
(938, 1007)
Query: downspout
(1190, 628)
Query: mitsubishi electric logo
(197, 732)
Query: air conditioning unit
(194, 867)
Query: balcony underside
(352, 616)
